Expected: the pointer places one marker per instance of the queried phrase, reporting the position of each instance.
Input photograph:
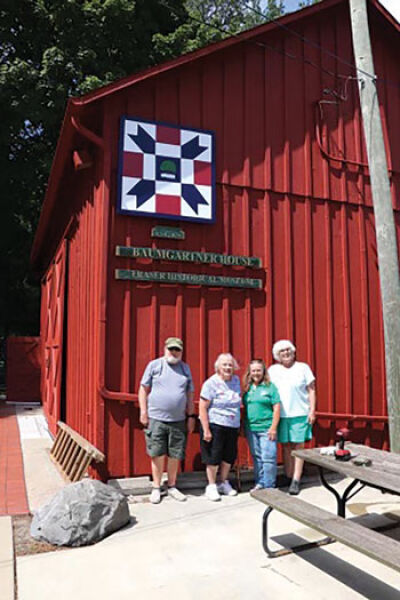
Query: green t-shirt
(258, 405)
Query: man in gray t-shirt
(166, 401)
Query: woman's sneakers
(212, 492)
(225, 489)
(294, 487)
(258, 486)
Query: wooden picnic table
(383, 473)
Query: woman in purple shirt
(219, 410)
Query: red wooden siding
(85, 265)
(321, 290)
(309, 219)
(52, 330)
(292, 189)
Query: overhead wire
(288, 54)
(311, 42)
(259, 43)
(340, 96)
(323, 49)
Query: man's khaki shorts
(168, 438)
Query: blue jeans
(263, 451)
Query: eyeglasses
(175, 349)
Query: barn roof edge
(76, 106)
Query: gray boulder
(81, 513)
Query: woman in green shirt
(262, 412)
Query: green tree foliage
(52, 49)
(49, 50)
(213, 20)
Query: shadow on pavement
(357, 579)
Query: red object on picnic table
(341, 453)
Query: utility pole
(388, 262)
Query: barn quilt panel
(166, 171)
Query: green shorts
(168, 438)
(295, 430)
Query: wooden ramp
(72, 453)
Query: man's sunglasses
(175, 349)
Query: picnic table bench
(356, 536)
(383, 474)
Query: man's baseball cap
(174, 342)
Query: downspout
(103, 391)
(85, 132)
(349, 417)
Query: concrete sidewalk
(6, 559)
(203, 550)
(27, 475)
(198, 550)
(42, 479)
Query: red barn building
(292, 190)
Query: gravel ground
(24, 543)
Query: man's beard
(172, 360)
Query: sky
(392, 6)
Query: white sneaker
(226, 489)
(258, 486)
(174, 493)
(155, 496)
(212, 492)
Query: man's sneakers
(174, 493)
(155, 496)
(212, 492)
(225, 489)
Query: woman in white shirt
(296, 385)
